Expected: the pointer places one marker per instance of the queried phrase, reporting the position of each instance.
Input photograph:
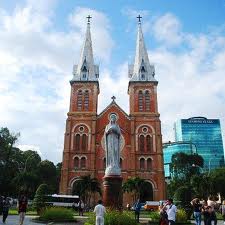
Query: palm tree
(85, 187)
(134, 186)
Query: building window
(147, 101)
(121, 163)
(149, 143)
(142, 143)
(143, 76)
(142, 164)
(140, 101)
(149, 164)
(104, 163)
(83, 163)
(86, 100)
(76, 162)
(77, 142)
(84, 142)
(79, 100)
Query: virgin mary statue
(112, 147)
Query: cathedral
(141, 146)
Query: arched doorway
(146, 192)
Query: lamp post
(194, 166)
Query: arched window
(79, 100)
(149, 143)
(84, 142)
(104, 163)
(140, 101)
(142, 164)
(121, 163)
(76, 162)
(149, 164)
(86, 100)
(83, 163)
(77, 142)
(142, 143)
(147, 101)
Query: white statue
(112, 147)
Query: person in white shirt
(100, 212)
(171, 211)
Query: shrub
(115, 218)
(154, 216)
(181, 216)
(40, 197)
(56, 214)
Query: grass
(29, 212)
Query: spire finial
(113, 98)
(139, 19)
(88, 19)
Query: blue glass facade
(171, 148)
(206, 135)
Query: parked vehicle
(151, 205)
(63, 200)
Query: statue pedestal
(112, 192)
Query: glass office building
(171, 148)
(206, 135)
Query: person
(1, 204)
(81, 207)
(22, 208)
(171, 211)
(5, 209)
(212, 220)
(205, 212)
(197, 206)
(137, 209)
(128, 206)
(99, 211)
(163, 219)
(223, 211)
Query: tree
(40, 197)
(218, 181)
(85, 187)
(135, 186)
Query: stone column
(112, 192)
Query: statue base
(112, 192)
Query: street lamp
(194, 166)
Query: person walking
(197, 210)
(5, 209)
(99, 211)
(81, 208)
(212, 220)
(22, 208)
(137, 209)
(1, 204)
(171, 211)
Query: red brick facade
(141, 153)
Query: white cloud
(35, 69)
(167, 29)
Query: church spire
(141, 70)
(86, 70)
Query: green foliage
(85, 187)
(23, 171)
(154, 216)
(183, 194)
(181, 216)
(136, 186)
(115, 218)
(56, 214)
(40, 197)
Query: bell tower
(79, 140)
(145, 123)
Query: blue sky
(41, 40)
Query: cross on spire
(113, 98)
(139, 18)
(88, 19)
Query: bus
(63, 200)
